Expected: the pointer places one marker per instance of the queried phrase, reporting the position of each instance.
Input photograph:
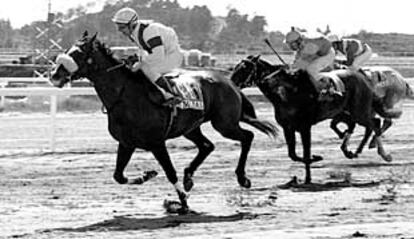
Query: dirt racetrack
(71, 194)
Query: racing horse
(136, 121)
(254, 68)
(391, 89)
(297, 107)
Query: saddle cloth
(385, 79)
(331, 79)
(186, 86)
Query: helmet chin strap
(68, 62)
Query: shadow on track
(298, 186)
(125, 223)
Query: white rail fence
(52, 92)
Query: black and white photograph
(206, 119)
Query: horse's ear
(256, 58)
(93, 38)
(85, 34)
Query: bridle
(252, 74)
(93, 67)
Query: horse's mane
(108, 53)
(266, 65)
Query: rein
(99, 71)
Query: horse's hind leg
(205, 147)
(386, 124)
(232, 130)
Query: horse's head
(252, 70)
(79, 61)
(245, 72)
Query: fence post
(53, 110)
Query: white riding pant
(362, 58)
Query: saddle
(330, 85)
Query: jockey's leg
(157, 79)
(361, 59)
(315, 67)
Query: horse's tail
(249, 117)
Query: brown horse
(297, 107)
(135, 121)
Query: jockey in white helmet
(356, 52)
(163, 52)
(311, 54)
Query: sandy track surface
(71, 194)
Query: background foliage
(196, 27)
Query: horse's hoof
(244, 182)
(316, 158)
(388, 158)
(175, 207)
(120, 179)
(349, 154)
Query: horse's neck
(263, 70)
(111, 86)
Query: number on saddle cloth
(187, 87)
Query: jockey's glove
(136, 66)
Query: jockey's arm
(309, 52)
(152, 38)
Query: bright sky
(343, 16)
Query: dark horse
(253, 69)
(297, 107)
(135, 121)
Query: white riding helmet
(125, 15)
(292, 36)
(333, 38)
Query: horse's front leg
(344, 118)
(307, 159)
(347, 136)
(380, 147)
(161, 155)
(367, 134)
(123, 156)
(386, 124)
(290, 139)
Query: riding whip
(277, 54)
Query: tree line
(195, 26)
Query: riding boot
(170, 100)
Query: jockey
(312, 54)
(158, 41)
(356, 52)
